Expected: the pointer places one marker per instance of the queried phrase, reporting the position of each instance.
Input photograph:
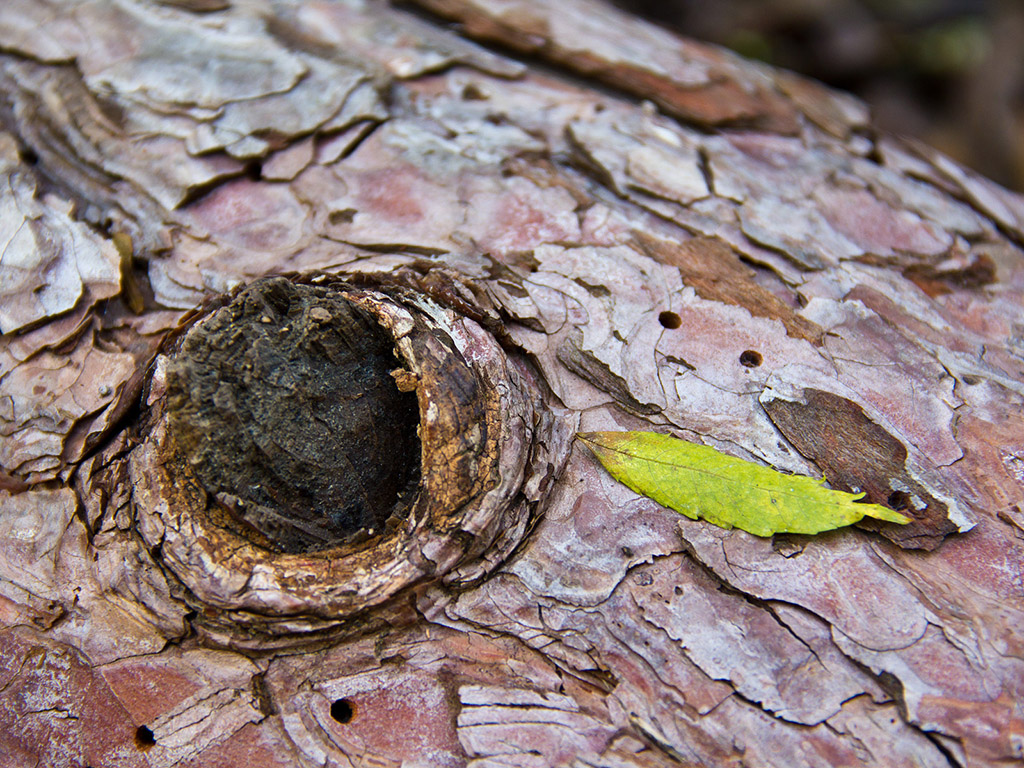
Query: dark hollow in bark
(284, 404)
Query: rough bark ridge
(658, 235)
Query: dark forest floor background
(950, 72)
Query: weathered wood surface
(671, 238)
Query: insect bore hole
(144, 738)
(669, 320)
(343, 711)
(28, 156)
(750, 359)
(898, 500)
(254, 170)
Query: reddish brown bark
(621, 230)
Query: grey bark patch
(284, 405)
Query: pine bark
(567, 220)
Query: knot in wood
(311, 448)
(284, 405)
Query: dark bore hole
(898, 500)
(669, 320)
(345, 216)
(750, 358)
(472, 92)
(284, 407)
(144, 738)
(254, 170)
(343, 711)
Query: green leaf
(699, 482)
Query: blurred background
(950, 72)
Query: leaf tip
(879, 512)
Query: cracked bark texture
(668, 237)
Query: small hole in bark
(344, 216)
(144, 738)
(254, 170)
(970, 379)
(750, 359)
(28, 156)
(898, 500)
(670, 320)
(343, 710)
(472, 92)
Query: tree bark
(567, 220)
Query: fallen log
(539, 219)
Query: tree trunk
(563, 219)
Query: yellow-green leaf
(702, 483)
